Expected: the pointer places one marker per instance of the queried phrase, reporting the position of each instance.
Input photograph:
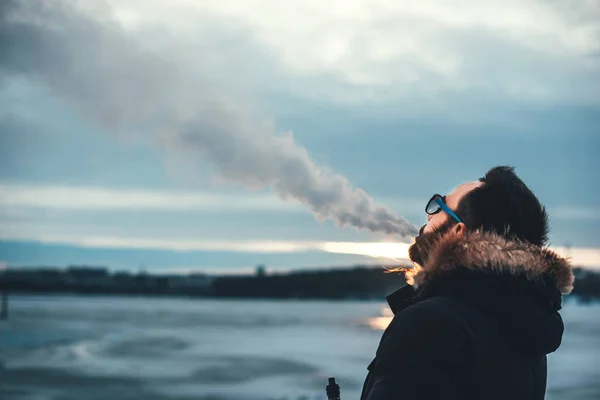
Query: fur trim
(495, 254)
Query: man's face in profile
(438, 225)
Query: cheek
(428, 227)
(434, 222)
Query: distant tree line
(360, 282)
(587, 285)
(356, 283)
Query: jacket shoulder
(434, 328)
(426, 352)
(437, 311)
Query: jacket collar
(493, 255)
(401, 298)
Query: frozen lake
(71, 348)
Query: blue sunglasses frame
(438, 199)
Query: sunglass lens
(432, 206)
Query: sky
(215, 136)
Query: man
(481, 311)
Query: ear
(460, 229)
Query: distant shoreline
(184, 297)
(566, 298)
(359, 283)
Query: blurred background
(198, 198)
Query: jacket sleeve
(425, 353)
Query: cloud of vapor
(130, 85)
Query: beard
(420, 250)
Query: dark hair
(506, 206)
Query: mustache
(422, 229)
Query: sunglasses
(437, 204)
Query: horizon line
(391, 251)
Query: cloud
(523, 50)
(389, 251)
(385, 250)
(240, 246)
(28, 210)
(581, 257)
(189, 69)
(98, 198)
(377, 250)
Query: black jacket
(477, 324)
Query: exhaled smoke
(105, 72)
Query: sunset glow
(393, 251)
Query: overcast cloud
(89, 90)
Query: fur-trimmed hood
(493, 254)
(516, 284)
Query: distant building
(261, 270)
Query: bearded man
(480, 312)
